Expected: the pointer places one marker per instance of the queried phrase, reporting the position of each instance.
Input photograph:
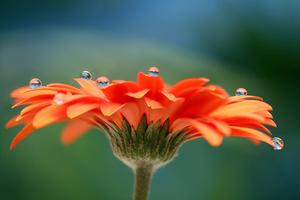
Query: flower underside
(144, 119)
(147, 143)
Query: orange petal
(109, 109)
(251, 121)
(187, 85)
(251, 134)
(201, 104)
(18, 93)
(265, 114)
(247, 106)
(243, 118)
(154, 83)
(153, 104)
(80, 108)
(216, 89)
(37, 92)
(90, 87)
(168, 111)
(138, 95)
(220, 126)
(116, 92)
(180, 124)
(49, 115)
(233, 99)
(162, 113)
(212, 136)
(82, 99)
(33, 107)
(34, 99)
(270, 122)
(132, 113)
(64, 87)
(12, 122)
(21, 135)
(58, 89)
(74, 130)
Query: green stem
(143, 176)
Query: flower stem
(143, 176)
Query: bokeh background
(253, 44)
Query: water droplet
(102, 81)
(153, 71)
(59, 99)
(86, 75)
(241, 92)
(278, 143)
(35, 83)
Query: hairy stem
(143, 175)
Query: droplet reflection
(241, 92)
(35, 83)
(153, 71)
(278, 143)
(102, 81)
(86, 75)
(59, 99)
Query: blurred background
(253, 44)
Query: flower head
(145, 114)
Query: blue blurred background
(253, 44)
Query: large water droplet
(102, 81)
(278, 143)
(153, 71)
(35, 83)
(86, 75)
(59, 99)
(241, 92)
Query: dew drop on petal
(86, 75)
(278, 143)
(153, 71)
(241, 92)
(59, 99)
(35, 83)
(102, 81)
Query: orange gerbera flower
(145, 120)
(204, 110)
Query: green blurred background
(253, 44)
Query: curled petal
(153, 104)
(138, 95)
